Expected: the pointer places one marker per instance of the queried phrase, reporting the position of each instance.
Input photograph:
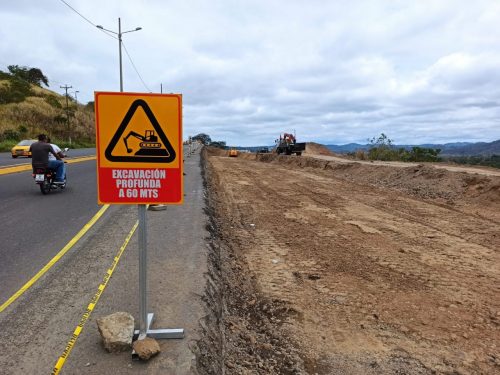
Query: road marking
(27, 166)
(54, 260)
(93, 302)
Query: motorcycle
(45, 177)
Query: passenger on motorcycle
(56, 149)
(40, 152)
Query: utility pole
(119, 34)
(66, 87)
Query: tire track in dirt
(374, 281)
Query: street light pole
(66, 87)
(120, 52)
(119, 34)
(145, 319)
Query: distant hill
(27, 109)
(472, 149)
(447, 149)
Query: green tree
(203, 138)
(423, 154)
(31, 75)
(218, 144)
(381, 148)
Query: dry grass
(36, 115)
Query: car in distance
(22, 148)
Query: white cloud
(334, 71)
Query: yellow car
(22, 148)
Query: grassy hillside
(44, 111)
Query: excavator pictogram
(148, 146)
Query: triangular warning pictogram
(151, 151)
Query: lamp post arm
(131, 31)
(102, 28)
(119, 33)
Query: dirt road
(320, 267)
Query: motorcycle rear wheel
(45, 187)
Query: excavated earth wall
(320, 267)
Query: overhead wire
(114, 37)
(77, 12)
(128, 55)
(86, 19)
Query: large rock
(116, 331)
(146, 348)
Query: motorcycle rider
(59, 152)
(56, 149)
(40, 158)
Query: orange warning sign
(139, 148)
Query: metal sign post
(143, 264)
(145, 318)
(139, 160)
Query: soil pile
(313, 148)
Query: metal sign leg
(145, 319)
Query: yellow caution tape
(93, 302)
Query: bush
(15, 91)
(360, 154)
(382, 149)
(490, 161)
(9, 134)
(90, 106)
(60, 119)
(52, 100)
(22, 130)
(423, 154)
(7, 144)
(4, 76)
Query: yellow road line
(54, 260)
(27, 167)
(93, 302)
(83, 158)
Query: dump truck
(287, 144)
(233, 153)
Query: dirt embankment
(323, 267)
(313, 148)
(422, 181)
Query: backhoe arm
(133, 134)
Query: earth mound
(313, 148)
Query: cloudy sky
(333, 71)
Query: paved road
(36, 328)
(35, 227)
(6, 158)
